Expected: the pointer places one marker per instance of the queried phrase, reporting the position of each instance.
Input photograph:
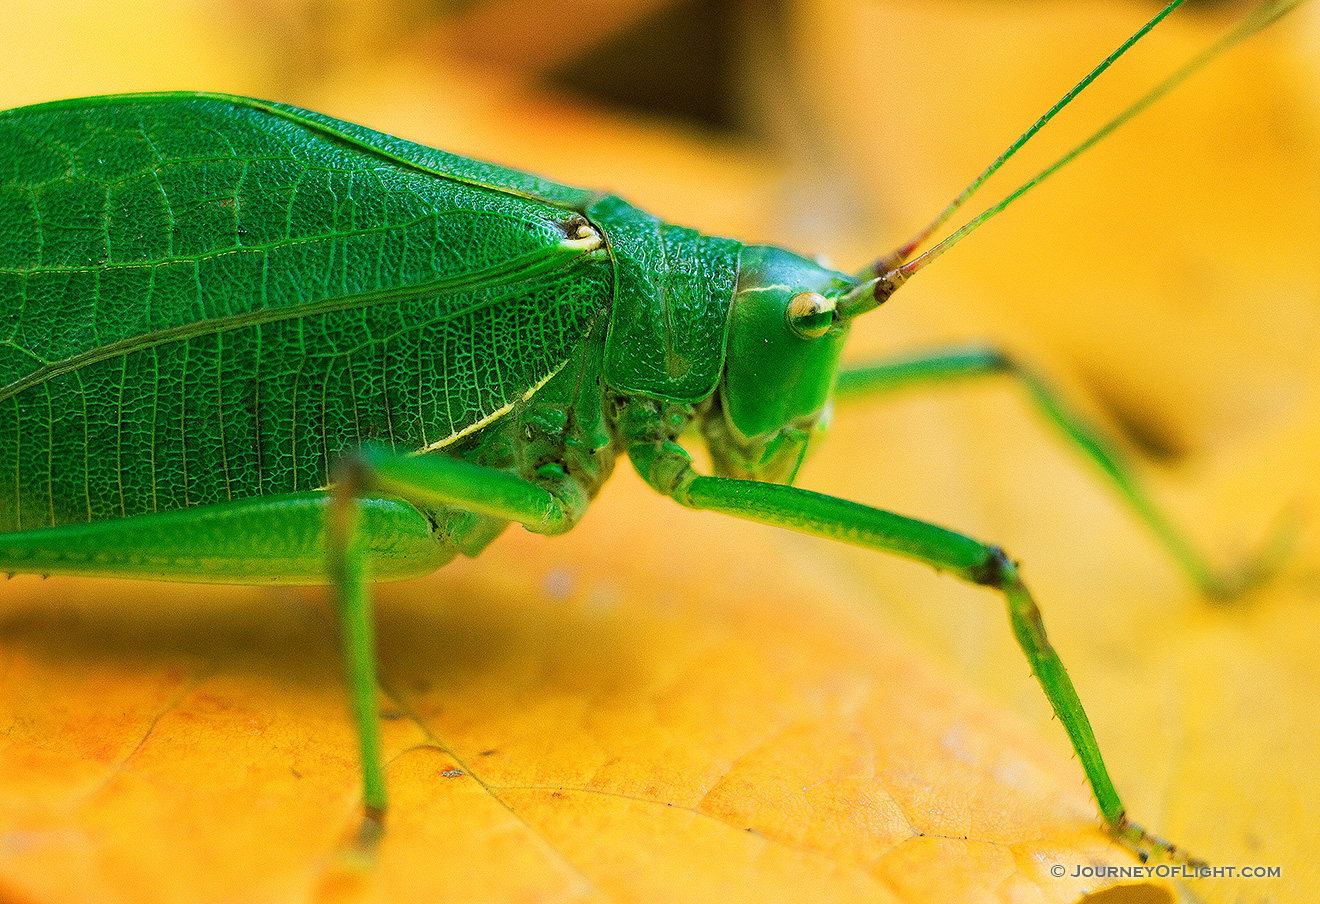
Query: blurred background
(1167, 282)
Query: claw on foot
(1152, 847)
(370, 831)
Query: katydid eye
(810, 315)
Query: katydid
(247, 343)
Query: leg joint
(996, 570)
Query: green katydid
(246, 343)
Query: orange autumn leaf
(562, 718)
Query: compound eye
(810, 315)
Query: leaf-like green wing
(205, 298)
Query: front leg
(667, 468)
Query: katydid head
(787, 326)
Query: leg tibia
(870, 528)
(947, 365)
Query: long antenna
(881, 278)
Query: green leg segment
(974, 361)
(427, 481)
(265, 540)
(666, 467)
(346, 568)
